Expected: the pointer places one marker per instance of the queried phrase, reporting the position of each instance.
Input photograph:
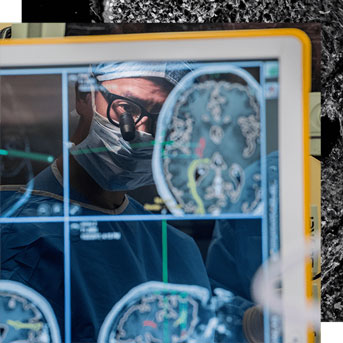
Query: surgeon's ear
(83, 106)
(83, 103)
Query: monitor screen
(139, 199)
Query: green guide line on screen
(29, 155)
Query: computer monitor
(117, 152)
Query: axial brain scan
(25, 316)
(160, 313)
(156, 312)
(207, 150)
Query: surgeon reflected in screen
(110, 153)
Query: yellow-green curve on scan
(18, 325)
(192, 183)
(182, 319)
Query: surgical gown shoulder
(145, 236)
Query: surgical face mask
(111, 161)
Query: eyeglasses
(119, 105)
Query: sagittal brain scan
(25, 316)
(209, 136)
(159, 313)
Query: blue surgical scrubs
(103, 269)
(234, 255)
(235, 252)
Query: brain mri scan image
(207, 150)
(173, 313)
(160, 313)
(25, 316)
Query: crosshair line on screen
(29, 155)
(147, 144)
(102, 149)
(164, 251)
